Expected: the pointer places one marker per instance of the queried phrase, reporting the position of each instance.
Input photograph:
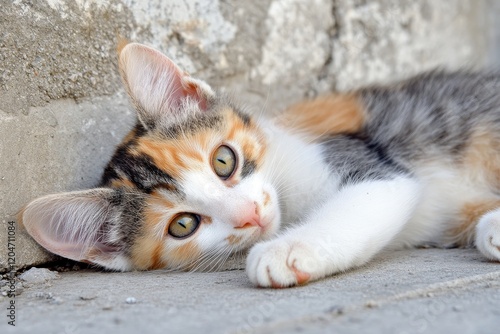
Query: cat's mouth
(266, 229)
(249, 235)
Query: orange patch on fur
(120, 183)
(187, 253)
(234, 240)
(155, 215)
(251, 148)
(267, 198)
(249, 136)
(481, 163)
(162, 155)
(173, 156)
(156, 258)
(329, 114)
(482, 156)
(153, 218)
(463, 233)
(158, 199)
(147, 253)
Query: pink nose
(248, 217)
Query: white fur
(445, 189)
(343, 232)
(297, 171)
(208, 196)
(347, 227)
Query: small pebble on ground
(38, 275)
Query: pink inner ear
(191, 89)
(156, 84)
(73, 251)
(184, 86)
(69, 224)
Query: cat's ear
(77, 225)
(156, 85)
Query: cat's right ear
(78, 225)
(157, 86)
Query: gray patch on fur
(428, 117)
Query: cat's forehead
(156, 158)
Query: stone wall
(62, 107)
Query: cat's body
(342, 177)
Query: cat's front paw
(283, 263)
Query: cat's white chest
(298, 171)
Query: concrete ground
(409, 291)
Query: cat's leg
(346, 231)
(488, 235)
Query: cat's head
(184, 189)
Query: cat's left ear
(157, 86)
(78, 225)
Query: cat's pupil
(222, 161)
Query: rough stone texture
(417, 291)
(387, 40)
(38, 275)
(62, 108)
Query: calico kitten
(342, 177)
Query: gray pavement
(409, 291)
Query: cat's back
(441, 128)
(433, 113)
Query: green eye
(183, 225)
(224, 162)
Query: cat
(318, 190)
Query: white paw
(488, 235)
(283, 263)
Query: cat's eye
(183, 225)
(224, 162)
